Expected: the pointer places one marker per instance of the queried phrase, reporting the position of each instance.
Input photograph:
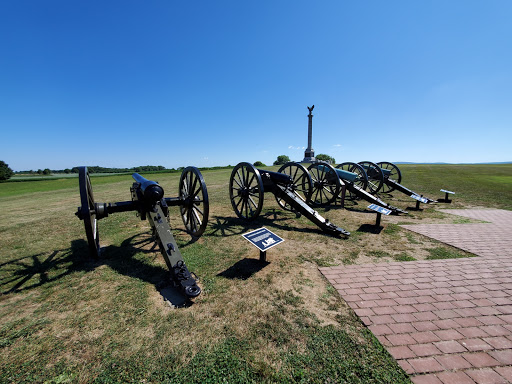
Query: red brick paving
(444, 321)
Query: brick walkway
(444, 321)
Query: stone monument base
(309, 157)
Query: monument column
(309, 154)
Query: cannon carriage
(350, 177)
(149, 202)
(291, 186)
(387, 177)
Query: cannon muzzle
(150, 189)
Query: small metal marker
(446, 199)
(419, 199)
(263, 239)
(380, 211)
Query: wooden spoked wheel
(301, 183)
(246, 191)
(87, 212)
(361, 181)
(195, 204)
(395, 175)
(326, 184)
(375, 176)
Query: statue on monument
(310, 109)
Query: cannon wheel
(395, 175)
(196, 207)
(246, 191)
(326, 184)
(87, 212)
(362, 179)
(302, 183)
(375, 176)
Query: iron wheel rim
(362, 178)
(196, 207)
(395, 175)
(326, 184)
(375, 176)
(302, 183)
(88, 212)
(246, 191)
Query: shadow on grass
(34, 271)
(414, 209)
(123, 260)
(370, 228)
(233, 226)
(244, 269)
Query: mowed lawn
(66, 318)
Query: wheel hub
(244, 192)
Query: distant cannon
(350, 176)
(291, 186)
(391, 179)
(149, 202)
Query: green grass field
(68, 319)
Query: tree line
(283, 159)
(97, 169)
(6, 172)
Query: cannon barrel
(346, 175)
(342, 174)
(276, 177)
(150, 189)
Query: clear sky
(175, 83)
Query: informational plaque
(420, 198)
(379, 209)
(263, 239)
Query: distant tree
(282, 159)
(259, 164)
(67, 170)
(324, 157)
(5, 171)
(46, 171)
(39, 171)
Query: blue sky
(127, 83)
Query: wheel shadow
(33, 271)
(232, 226)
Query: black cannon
(347, 177)
(149, 202)
(386, 177)
(291, 186)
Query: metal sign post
(419, 199)
(263, 239)
(446, 199)
(380, 211)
